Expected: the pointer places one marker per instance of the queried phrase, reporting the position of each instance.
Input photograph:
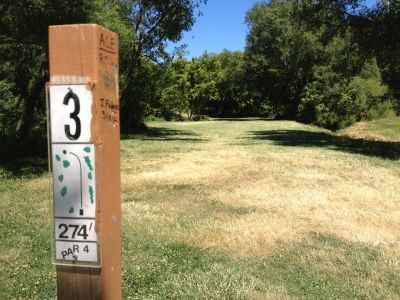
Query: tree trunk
(131, 108)
(31, 100)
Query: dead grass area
(225, 209)
(269, 192)
(378, 130)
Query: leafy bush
(311, 104)
(334, 103)
(170, 116)
(9, 110)
(381, 111)
(200, 118)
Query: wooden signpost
(83, 112)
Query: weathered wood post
(83, 111)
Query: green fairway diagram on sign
(74, 180)
(74, 189)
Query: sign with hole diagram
(74, 176)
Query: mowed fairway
(225, 209)
(259, 209)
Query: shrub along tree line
(328, 62)
(213, 85)
(318, 61)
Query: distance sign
(74, 175)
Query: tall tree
(153, 24)
(280, 54)
(176, 90)
(381, 37)
(144, 27)
(205, 76)
(23, 48)
(236, 98)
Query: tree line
(327, 62)
(144, 28)
(330, 63)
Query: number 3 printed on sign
(70, 113)
(74, 115)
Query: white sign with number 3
(70, 113)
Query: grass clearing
(387, 129)
(25, 262)
(246, 209)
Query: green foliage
(280, 54)
(336, 103)
(310, 60)
(151, 24)
(302, 60)
(379, 35)
(147, 96)
(205, 76)
(144, 28)
(368, 87)
(236, 99)
(212, 84)
(23, 52)
(232, 86)
(307, 60)
(8, 108)
(200, 118)
(382, 110)
(191, 87)
(175, 95)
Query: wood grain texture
(78, 283)
(88, 53)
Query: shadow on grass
(23, 158)
(243, 119)
(23, 168)
(164, 134)
(303, 138)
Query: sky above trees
(221, 26)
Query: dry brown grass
(357, 131)
(284, 192)
(378, 130)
